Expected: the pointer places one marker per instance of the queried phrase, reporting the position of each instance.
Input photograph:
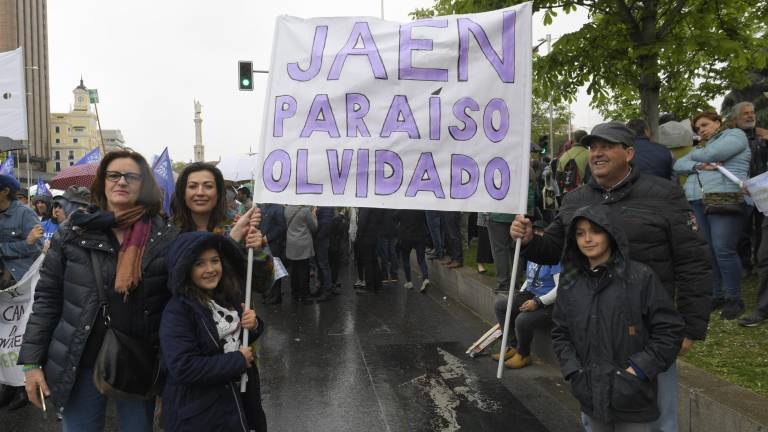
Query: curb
(706, 403)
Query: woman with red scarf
(126, 231)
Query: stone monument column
(199, 150)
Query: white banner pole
(248, 286)
(505, 337)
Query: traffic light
(544, 143)
(246, 76)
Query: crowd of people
(630, 242)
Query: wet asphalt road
(388, 362)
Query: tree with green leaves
(640, 57)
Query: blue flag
(42, 189)
(92, 156)
(7, 167)
(163, 172)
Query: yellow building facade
(73, 134)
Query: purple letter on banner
(267, 175)
(303, 186)
(339, 174)
(407, 45)
(491, 132)
(388, 185)
(320, 118)
(459, 164)
(460, 112)
(359, 31)
(399, 109)
(316, 59)
(497, 192)
(362, 174)
(285, 107)
(425, 167)
(505, 67)
(357, 107)
(434, 117)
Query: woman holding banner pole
(199, 204)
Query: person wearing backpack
(573, 165)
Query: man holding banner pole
(662, 233)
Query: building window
(56, 154)
(58, 129)
(71, 163)
(79, 129)
(71, 155)
(74, 141)
(58, 141)
(57, 168)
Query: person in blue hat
(20, 244)
(200, 336)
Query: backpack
(568, 175)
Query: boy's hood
(600, 215)
(188, 246)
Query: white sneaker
(424, 285)
(408, 285)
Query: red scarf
(135, 239)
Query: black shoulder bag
(126, 367)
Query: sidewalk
(705, 402)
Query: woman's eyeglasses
(114, 177)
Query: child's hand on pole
(248, 354)
(248, 321)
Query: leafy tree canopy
(638, 57)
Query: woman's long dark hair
(149, 195)
(182, 215)
(227, 293)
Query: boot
(507, 355)
(518, 362)
(732, 309)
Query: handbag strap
(100, 289)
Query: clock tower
(82, 102)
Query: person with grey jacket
(299, 248)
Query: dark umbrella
(76, 175)
(7, 144)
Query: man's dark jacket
(652, 158)
(662, 234)
(65, 331)
(274, 227)
(608, 319)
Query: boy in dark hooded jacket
(200, 337)
(615, 327)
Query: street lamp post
(29, 147)
(551, 113)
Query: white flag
(13, 106)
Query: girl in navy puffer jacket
(200, 339)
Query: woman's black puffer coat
(65, 310)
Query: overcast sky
(151, 59)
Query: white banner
(15, 307)
(13, 97)
(428, 114)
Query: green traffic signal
(246, 75)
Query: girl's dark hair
(227, 293)
(149, 195)
(183, 215)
